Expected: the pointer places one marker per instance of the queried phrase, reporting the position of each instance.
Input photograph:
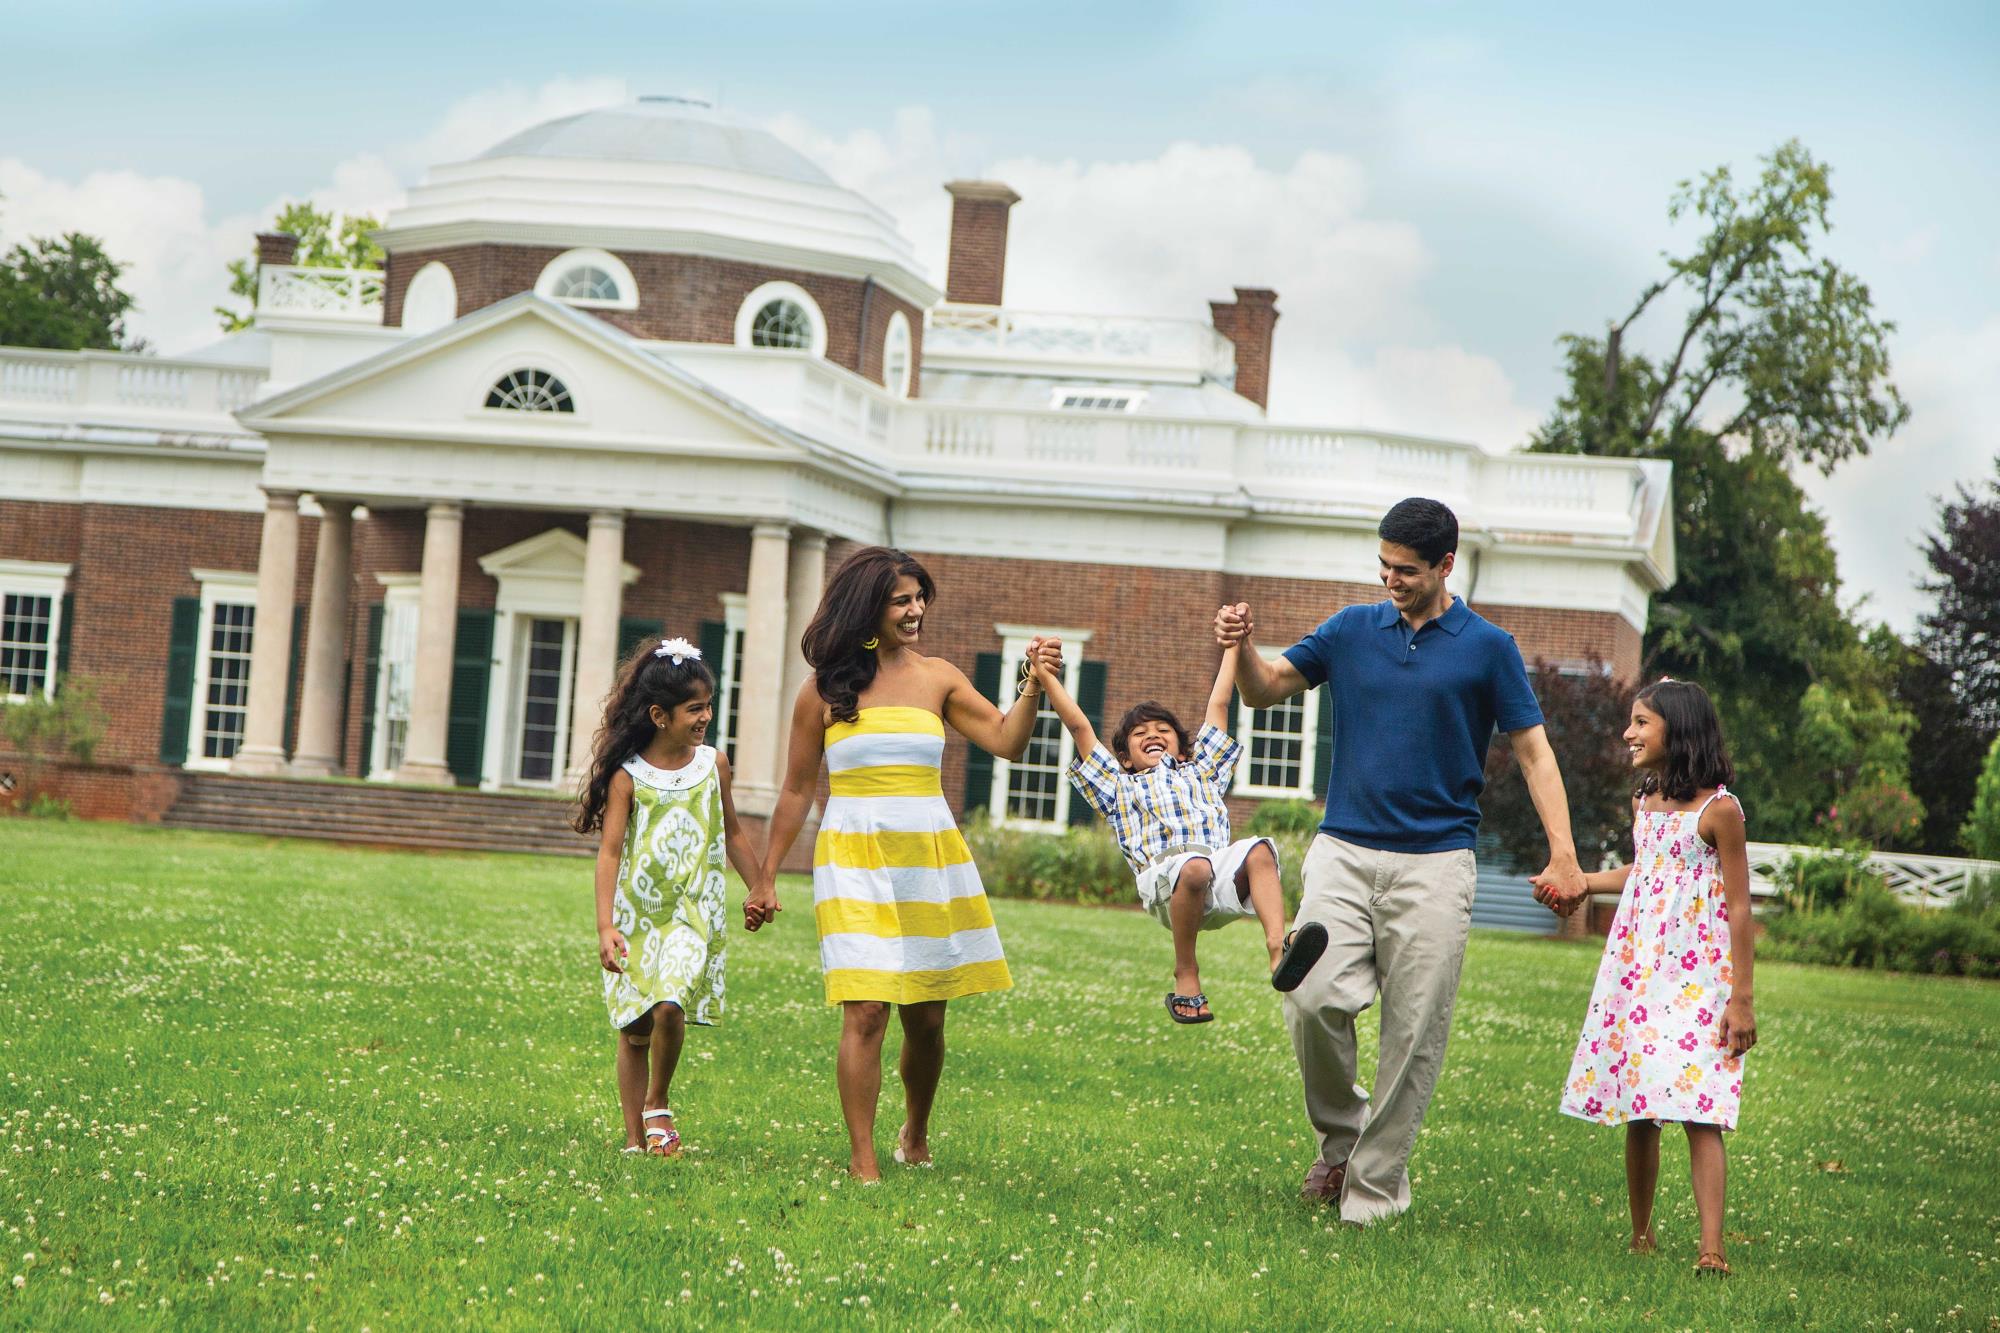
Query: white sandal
(661, 1141)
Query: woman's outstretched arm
(794, 800)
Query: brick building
(646, 368)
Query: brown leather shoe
(1323, 1182)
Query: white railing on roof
(122, 382)
(293, 290)
(1184, 347)
(1922, 881)
(1168, 451)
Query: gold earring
(870, 645)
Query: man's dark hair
(1149, 711)
(1425, 526)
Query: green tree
(1585, 713)
(326, 240)
(1981, 833)
(63, 294)
(1778, 360)
(1952, 683)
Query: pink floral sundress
(1652, 1047)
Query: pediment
(556, 555)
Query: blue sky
(1436, 190)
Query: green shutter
(176, 718)
(62, 635)
(978, 763)
(714, 646)
(292, 682)
(635, 630)
(372, 669)
(471, 675)
(1323, 750)
(1090, 698)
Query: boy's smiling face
(1148, 744)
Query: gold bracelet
(1027, 687)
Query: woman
(901, 912)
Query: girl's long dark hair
(849, 615)
(1696, 755)
(644, 679)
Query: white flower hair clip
(678, 649)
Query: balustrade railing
(353, 294)
(1920, 880)
(1002, 333)
(122, 382)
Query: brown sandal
(1703, 1268)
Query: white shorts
(1225, 903)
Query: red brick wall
(1571, 636)
(31, 530)
(134, 793)
(682, 298)
(976, 264)
(1249, 322)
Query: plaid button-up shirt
(1174, 806)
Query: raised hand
(1233, 625)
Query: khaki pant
(1396, 924)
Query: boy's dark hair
(1148, 711)
(1425, 526)
(1696, 755)
(644, 679)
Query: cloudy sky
(1436, 193)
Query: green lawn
(259, 1084)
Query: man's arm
(1560, 886)
(1260, 683)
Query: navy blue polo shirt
(1412, 717)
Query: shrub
(1981, 832)
(1873, 928)
(1585, 714)
(41, 728)
(1826, 879)
(1275, 817)
(1875, 813)
(44, 806)
(1084, 865)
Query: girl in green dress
(660, 797)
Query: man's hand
(1561, 887)
(1233, 625)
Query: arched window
(896, 358)
(593, 279)
(783, 315)
(431, 300)
(530, 390)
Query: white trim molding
(746, 314)
(610, 265)
(899, 382)
(38, 578)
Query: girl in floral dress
(1670, 1018)
(661, 799)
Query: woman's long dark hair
(644, 679)
(849, 615)
(1696, 755)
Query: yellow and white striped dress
(902, 915)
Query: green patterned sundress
(670, 898)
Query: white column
(758, 705)
(802, 589)
(437, 632)
(318, 750)
(263, 749)
(596, 633)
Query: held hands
(1561, 887)
(1233, 625)
(1045, 661)
(1739, 1025)
(611, 949)
(760, 906)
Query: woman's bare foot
(1644, 1243)
(868, 1172)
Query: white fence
(323, 293)
(1922, 881)
(122, 382)
(1039, 337)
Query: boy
(1162, 797)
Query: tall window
(1034, 790)
(225, 695)
(397, 678)
(729, 672)
(896, 359)
(1279, 743)
(31, 608)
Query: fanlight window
(586, 283)
(781, 323)
(530, 391)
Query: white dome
(662, 174)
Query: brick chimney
(977, 267)
(278, 248)
(1247, 321)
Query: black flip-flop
(1195, 1001)
(1303, 948)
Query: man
(1419, 683)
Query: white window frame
(38, 578)
(1013, 647)
(735, 620)
(1245, 729)
(400, 592)
(559, 268)
(1134, 398)
(489, 418)
(219, 587)
(746, 315)
(899, 324)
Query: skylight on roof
(1097, 400)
